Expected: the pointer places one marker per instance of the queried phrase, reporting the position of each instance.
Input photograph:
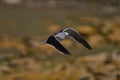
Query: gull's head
(66, 34)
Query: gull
(54, 40)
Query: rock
(74, 72)
(86, 29)
(47, 49)
(114, 37)
(99, 58)
(4, 69)
(93, 20)
(116, 57)
(96, 40)
(107, 69)
(86, 77)
(67, 42)
(53, 28)
(106, 29)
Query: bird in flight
(54, 40)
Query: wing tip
(89, 47)
(68, 54)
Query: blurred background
(25, 23)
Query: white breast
(60, 36)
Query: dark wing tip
(84, 43)
(89, 47)
(68, 54)
(77, 37)
(53, 42)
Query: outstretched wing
(54, 43)
(77, 37)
